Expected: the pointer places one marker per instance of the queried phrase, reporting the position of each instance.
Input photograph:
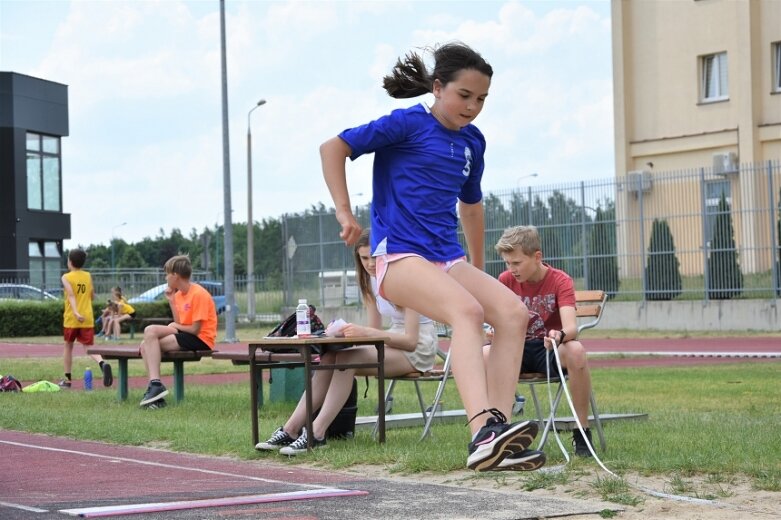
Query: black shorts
(534, 353)
(189, 341)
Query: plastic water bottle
(88, 379)
(302, 319)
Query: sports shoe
(160, 403)
(100, 334)
(64, 383)
(108, 377)
(497, 440)
(527, 460)
(581, 449)
(299, 445)
(278, 439)
(154, 393)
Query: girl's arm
(333, 155)
(407, 341)
(473, 224)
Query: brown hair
(179, 264)
(364, 280)
(77, 258)
(525, 238)
(409, 77)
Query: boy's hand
(169, 292)
(79, 317)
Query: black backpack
(287, 328)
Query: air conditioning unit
(725, 163)
(638, 180)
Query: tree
(725, 280)
(130, 258)
(662, 274)
(603, 263)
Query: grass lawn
(716, 422)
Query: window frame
(776, 68)
(718, 63)
(43, 150)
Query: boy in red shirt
(194, 326)
(549, 294)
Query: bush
(662, 274)
(725, 280)
(26, 318)
(603, 264)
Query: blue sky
(145, 102)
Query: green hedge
(18, 318)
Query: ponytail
(409, 78)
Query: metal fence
(135, 282)
(694, 234)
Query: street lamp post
(525, 177)
(250, 223)
(112, 246)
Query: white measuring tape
(646, 490)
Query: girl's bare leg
(396, 363)
(321, 381)
(418, 284)
(509, 318)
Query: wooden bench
(124, 353)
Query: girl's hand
(352, 330)
(351, 230)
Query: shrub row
(20, 318)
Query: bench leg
(132, 329)
(178, 380)
(122, 376)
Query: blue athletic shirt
(420, 169)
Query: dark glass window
(44, 187)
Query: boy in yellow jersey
(194, 326)
(78, 323)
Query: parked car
(156, 293)
(19, 291)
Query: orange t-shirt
(198, 305)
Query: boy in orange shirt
(78, 321)
(194, 326)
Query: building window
(776, 67)
(714, 77)
(43, 172)
(45, 264)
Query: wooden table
(304, 346)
